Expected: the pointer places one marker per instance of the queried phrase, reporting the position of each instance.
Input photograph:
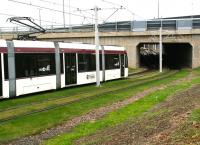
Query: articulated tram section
(35, 66)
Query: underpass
(174, 55)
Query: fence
(148, 25)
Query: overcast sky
(143, 9)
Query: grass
(135, 70)
(117, 117)
(20, 110)
(189, 132)
(195, 116)
(38, 122)
(69, 92)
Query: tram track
(163, 76)
(140, 72)
(146, 74)
(140, 82)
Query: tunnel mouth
(175, 55)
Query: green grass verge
(20, 110)
(128, 112)
(40, 121)
(79, 91)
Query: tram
(34, 66)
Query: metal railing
(145, 25)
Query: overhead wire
(85, 10)
(112, 14)
(11, 15)
(126, 8)
(50, 9)
(85, 18)
(59, 4)
(78, 15)
(78, 9)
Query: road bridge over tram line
(180, 39)
(180, 49)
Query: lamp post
(97, 47)
(40, 17)
(158, 9)
(160, 48)
(64, 13)
(160, 41)
(70, 28)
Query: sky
(50, 11)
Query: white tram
(35, 66)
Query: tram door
(70, 69)
(122, 65)
(1, 94)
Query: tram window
(86, 62)
(6, 66)
(112, 61)
(126, 61)
(28, 65)
(100, 60)
(61, 63)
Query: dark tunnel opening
(175, 55)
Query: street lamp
(64, 13)
(97, 47)
(158, 8)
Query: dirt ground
(154, 127)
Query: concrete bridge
(133, 41)
(181, 45)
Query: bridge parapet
(141, 25)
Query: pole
(40, 17)
(97, 47)
(160, 53)
(158, 9)
(64, 13)
(70, 15)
